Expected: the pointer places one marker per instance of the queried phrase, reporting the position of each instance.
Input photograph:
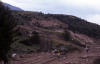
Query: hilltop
(12, 7)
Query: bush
(26, 42)
(7, 32)
(96, 61)
(35, 38)
(32, 40)
(67, 35)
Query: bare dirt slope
(70, 58)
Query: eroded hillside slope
(47, 31)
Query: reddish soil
(48, 58)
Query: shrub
(96, 61)
(35, 38)
(7, 32)
(67, 35)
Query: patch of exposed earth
(70, 58)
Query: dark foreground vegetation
(96, 61)
(7, 32)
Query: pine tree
(7, 25)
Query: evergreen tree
(7, 25)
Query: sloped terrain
(45, 32)
(53, 39)
(12, 7)
(70, 58)
(53, 30)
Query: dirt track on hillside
(70, 58)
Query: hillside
(75, 24)
(79, 25)
(12, 7)
(40, 38)
(46, 32)
(40, 31)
